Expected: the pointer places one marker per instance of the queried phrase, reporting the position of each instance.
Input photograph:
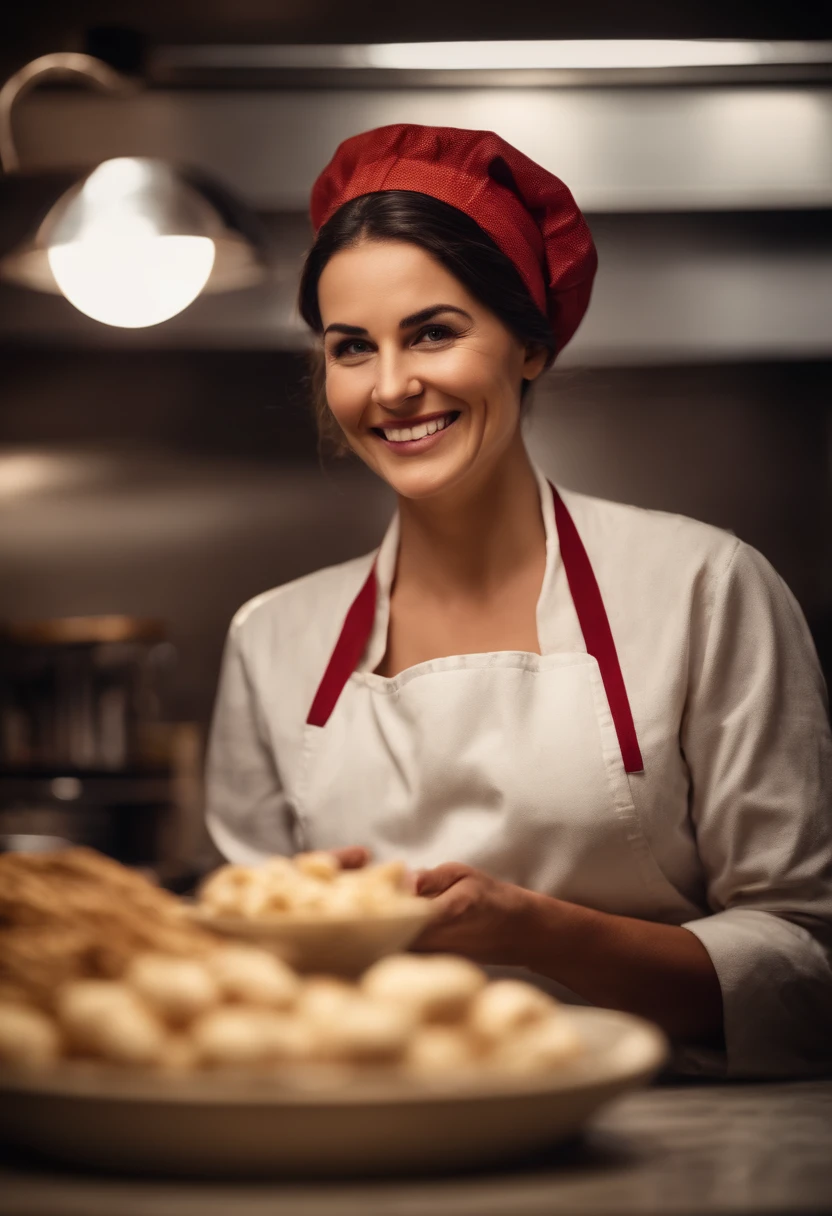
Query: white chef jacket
(514, 762)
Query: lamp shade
(136, 240)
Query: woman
(599, 734)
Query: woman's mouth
(407, 439)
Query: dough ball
(28, 1038)
(376, 889)
(366, 1031)
(177, 989)
(350, 1027)
(244, 1036)
(391, 872)
(344, 900)
(504, 1006)
(322, 866)
(438, 987)
(107, 1019)
(263, 896)
(224, 890)
(323, 999)
(437, 1051)
(388, 876)
(254, 976)
(279, 866)
(179, 1055)
(311, 884)
(540, 1047)
(293, 1039)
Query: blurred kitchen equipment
(83, 692)
(89, 753)
(137, 239)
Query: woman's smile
(417, 437)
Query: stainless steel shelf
(686, 147)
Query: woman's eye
(355, 346)
(436, 333)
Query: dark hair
(447, 234)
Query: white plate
(335, 945)
(208, 1124)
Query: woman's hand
(474, 914)
(661, 972)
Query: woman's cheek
(344, 400)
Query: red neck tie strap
(347, 653)
(595, 626)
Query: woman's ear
(535, 361)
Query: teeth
(408, 434)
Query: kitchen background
(168, 474)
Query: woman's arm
(247, 813)
(661, 972)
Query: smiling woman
(598, 734)
(407, 374)
(402, 220)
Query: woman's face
(422, 378)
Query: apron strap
(347, 653)
(592, 617)
(595, 626)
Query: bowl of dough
(313, 914)
(134, 1038)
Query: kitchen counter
(673, 1150)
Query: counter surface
(686, 1150)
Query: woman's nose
(395, 382)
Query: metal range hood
(660, 157)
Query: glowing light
(575, 54)
(116, 179)
(123, 274)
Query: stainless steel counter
(694, 1150)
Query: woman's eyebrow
(427, 314)
(415, 318)
(355, 331)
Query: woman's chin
(422, 478)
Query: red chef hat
(527, 211)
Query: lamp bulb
(134, 278)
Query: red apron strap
(595, 626)
(348, 650)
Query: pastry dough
(309, 884)
(539, 1048)
(253, 976)
(107, 1019)
(438, 987)
(28, 1037)
(437, 1051)
(504, 1006)
(177, 989)
(245, 1036)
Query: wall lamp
(137, 239)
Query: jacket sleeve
(756, 738)
(247, 812)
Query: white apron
(528, 765)
(508, 761)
